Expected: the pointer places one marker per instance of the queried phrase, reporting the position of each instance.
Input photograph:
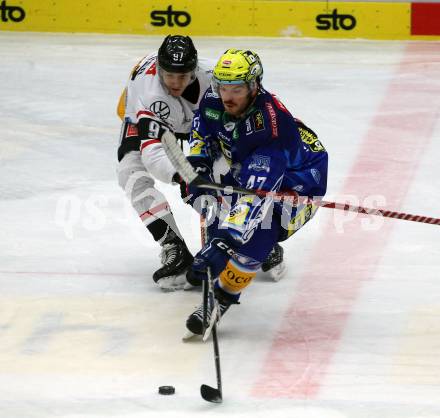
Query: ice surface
(84, 331)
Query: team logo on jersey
(258, 121)
(160, 109)
(260, 163)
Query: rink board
(347, 20)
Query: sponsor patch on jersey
(309, 138)
(212, 113)
(161, 109)
(237, 216)
(211, 94)
(223, 137)
(302, 217)
(226, 151)
(260, 163)
(197, 147)
(196, 135)
(273, 119)
(258, 120)
(249, 129)
(234, 277)
(132, 130)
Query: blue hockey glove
(215, 255)
(204, 169)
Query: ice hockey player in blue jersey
(265, 148)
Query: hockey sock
(235, 277)
(159, 229)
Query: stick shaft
(182, 165)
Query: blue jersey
(266, 149)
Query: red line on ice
(311, 329)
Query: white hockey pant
(138, 184)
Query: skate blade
(190, 336)
(188, 287)
(278, 272)
(172, 283)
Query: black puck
(167, 390)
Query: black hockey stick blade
(211, 394)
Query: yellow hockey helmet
(237, 66)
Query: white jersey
(146, 93)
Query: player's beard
(236, 109)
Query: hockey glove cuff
(214, 255)
(204, 169)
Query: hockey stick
(187, 172)
(204, 240)
(209, 393)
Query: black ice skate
(194, 323)
(192, 281)
(274, 263)
(176, 259)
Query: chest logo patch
(160, 109)
(260, 163)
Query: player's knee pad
(238, 274)
(139, 187)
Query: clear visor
(161, 72)
(215, 84)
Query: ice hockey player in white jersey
(163, 91)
